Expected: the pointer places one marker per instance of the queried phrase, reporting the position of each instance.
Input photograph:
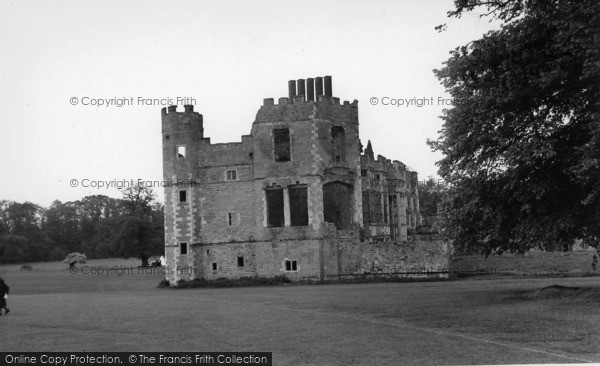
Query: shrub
(73, 258)
(163, 284)
(181, 283)
(232, 282)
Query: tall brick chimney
(301, 90)
(310, 89)
(318, 87)
(328, 87)
(291, 89)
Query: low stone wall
(419, 256)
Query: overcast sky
(227, 55)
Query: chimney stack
(328, 89)
(310, 89)
(301, 90)
(292, 89)
(318, 87)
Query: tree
(521, 143)
(4, 229)
(138, 199)
(21, 236)
(22, 218)
(136, 234)
(136, 237)
(13, 248)
(63, 225)
(94, 211)
(430, 196)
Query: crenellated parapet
(220, 154)
(308, 99)
(181, 121)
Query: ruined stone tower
(286, 199)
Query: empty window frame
(378, 214)
(181, 153)
(214, 266)
(231, 175)
(275, 207)
(386, 210)
(240, 261)
(366, 204)
(183, 196)
(183, 248)
(298, 205)
(290, 265)
(337, 204)
(363, 172)
(394, 234)
(338, 137)
(281, 144)
(233, 219)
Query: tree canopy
(99, 226)
(521, 143)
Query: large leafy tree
(137, 233)
(136, 237)
(521, 143)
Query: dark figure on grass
(3, 294)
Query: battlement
(308, 99)
(225, 153)
(172, 120)
(298, 110)
(188, 108)
(298, 99)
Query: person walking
(3, 294)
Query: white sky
(227, 55)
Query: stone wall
(264, 259)
(417, 256)
(315, 259)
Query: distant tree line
(98, 225)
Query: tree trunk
(144, 260)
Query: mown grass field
(495, 321)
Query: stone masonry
(298, 196)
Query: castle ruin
(298, 196)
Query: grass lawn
(457, 322)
